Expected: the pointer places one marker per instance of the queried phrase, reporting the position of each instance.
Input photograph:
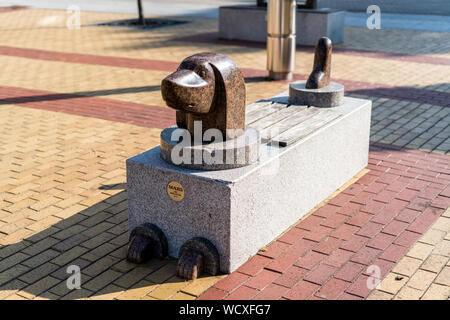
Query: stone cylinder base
(326, 97)
(220, 155)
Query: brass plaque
(175, 191)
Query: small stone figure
(318, 90)
(320, 76)
(210, 88)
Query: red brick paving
(213, 37)
(290, 278)
(103, 108)
(301, 291)
(146, 64)
(12, 8)
(255, 264)
(272, 292)
(213, 294)
(332, 289)
(243, 293)
(231, 282)
(349, 271)
(312, 261)
(262, 279)
(321, 274)
(276, 248)
(434, 97)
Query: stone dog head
(210, 88)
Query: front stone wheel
(146, 241)
(197, 256)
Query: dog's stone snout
(185, 90)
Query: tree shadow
(94, 239)
(63, 96)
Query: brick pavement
(63, 197)
(78, 104)
(424, 272)
(63, 201)
(347, 245)
(128, 67)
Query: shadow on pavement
(62, 96)
(94, 239)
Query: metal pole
(281, 39)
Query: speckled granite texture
(330, 96)
(243, 209)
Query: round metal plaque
(175, 191)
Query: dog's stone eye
(202, 73)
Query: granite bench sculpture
(207, 89)
(214, 217)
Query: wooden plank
(274, 118)
(306, 127)
(257, 105)
(263, 112)
(303, 114)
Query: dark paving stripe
(12, 8)
(102, 108)
(145, 64)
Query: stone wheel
(197, 256)
(146, 241)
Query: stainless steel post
(281, 39)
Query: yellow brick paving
(63, 202)
(424, 272)
(62, 187)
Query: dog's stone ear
(229, 100)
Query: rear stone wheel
(146, 241)
(197, 256)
